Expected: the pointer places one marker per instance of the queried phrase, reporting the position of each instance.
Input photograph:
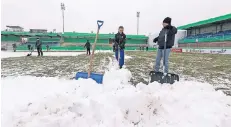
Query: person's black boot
(120, 67)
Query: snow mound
(50, 102)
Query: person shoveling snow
(31, 50)
(120, 40)
(171, 32)
(165, 41)
(38, 45)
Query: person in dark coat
(88, 46)
(29, 47)
(113, 45)
(120, 40)
(171, 32)
(38, 45)
(48, 48)
(14, 47)
(31, 50)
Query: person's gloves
(168, 27)
(121, 46)
(155, 39)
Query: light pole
(138, 16)
(63, 8)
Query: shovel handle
(99, 23)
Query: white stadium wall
(150, 40)
(180, 34)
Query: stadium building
(210, 33)
(214, 33)
(66, 40)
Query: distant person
(47, 48)
(170, 31)
(29, 47)
(88, 46)
(113, 46)
(14, 47)
(31, 50)
(38, 45)
(120, 40)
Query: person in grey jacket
(38, 45)
(170, 31)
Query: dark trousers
(121, 55)
(88, 51)
(40, 52)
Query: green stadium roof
(204, 22)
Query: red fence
(179, 50)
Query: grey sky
(81, 15)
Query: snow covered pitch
(57, 101)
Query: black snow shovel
(163, 77)
(29, 54)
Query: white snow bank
(103, 51)
(51, 102)
(127, 57)
(6, 54)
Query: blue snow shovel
(97, 77)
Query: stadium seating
(133, 42)
(208, 37)
(72, 37)
(10, 38)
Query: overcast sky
(81, 15)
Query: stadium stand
(70, 40)
(214, 32)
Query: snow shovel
(119, 54)
(163, 77)
(97, 77)
(29, 54)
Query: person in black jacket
(14, 47)
(120, 40)
(170, 31)
(48, 47)
(88, 46)
(38, 45)
(29, 46)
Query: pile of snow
(51, 102)
(6, 54)
(127, 57)
(104, 51)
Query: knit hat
(167, 20)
